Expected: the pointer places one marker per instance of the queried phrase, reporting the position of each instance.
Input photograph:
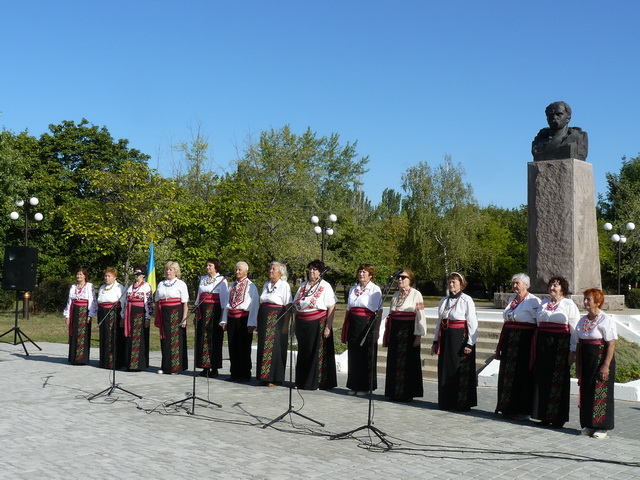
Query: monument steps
(488, 335)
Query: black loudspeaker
(19, 271)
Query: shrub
(7, 299)
(632, 299)
(51, 295)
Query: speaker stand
(17, 333)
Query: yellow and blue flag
(151, 269)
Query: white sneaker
(587, 431)
(599, 434)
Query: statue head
(558, 115)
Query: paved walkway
(50, 430)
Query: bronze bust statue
(559, 141)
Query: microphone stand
(192, 395)
(290, 409)
(18, 333)
(372, 371)
(114, 386)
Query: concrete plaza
(51, 430)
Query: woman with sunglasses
(364, 305)
(315, 304)
(455, 344)
(137, 309)
(404, 328)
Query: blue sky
(411, 81)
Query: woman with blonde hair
(172, 310)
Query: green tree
(283, 179)
(443, 220)
(619, 206)
(128, 204)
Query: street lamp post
(324, 229)
(619, 238)
(33, 202)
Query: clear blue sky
(409, 80)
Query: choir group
(538, 343)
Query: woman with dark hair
(515, 380)
(557, 319)
(213, 293)
(172, 310)
(404, 328)
(315, 303)
(81, 307)
(137, 310)
(364, 305)
(596, 336)
(273, 327)
(109, 310)
(455, 344)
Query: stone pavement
(50, 430)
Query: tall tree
(619, 206)
(443, 220)
(127, 206)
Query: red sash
(447, 323)
(398, 316)
(311, 315)
(359, 311)
(209, 298)
(512, 326)
(165, 302)
(233, 313)
(74, 304)
(134, 302)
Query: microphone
(326, 269)
(397, 273)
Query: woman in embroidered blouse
(109, 298)
(172, 310)
(273, 327)
(596, 336)
(239, 320)
(315, 303)
(404, 328)
(364, 305)
(515, 380)
(455, 344)
(213, 293)
(81, 307)
(557, 319)
(137, 310)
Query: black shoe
(213, 373)
(204, 373)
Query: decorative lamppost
(323, 228)
(33, 202)
(619, 238)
